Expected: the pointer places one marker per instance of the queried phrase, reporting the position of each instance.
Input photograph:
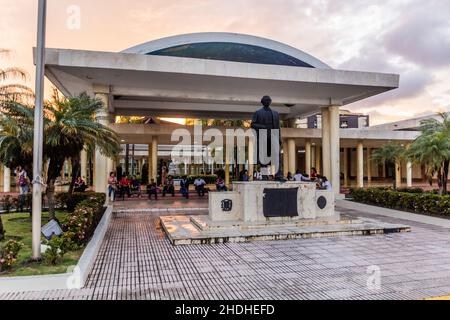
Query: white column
(409, 174)
(6, 179)
(326, 161)
(335, 149)
(292, 156)
(155, 157)
(101, 162)
(83, 164)
(345, 167)
(360, 165)
(318, 159)
(369, 167)
(251, 158)
(313, 155)
(398, 175)
(285, 157)
(308, 157)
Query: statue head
(266, 101)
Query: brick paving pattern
(136, 261)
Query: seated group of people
(80, 185)
(169, 187)
(322, 182)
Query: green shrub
(58, 247)
(70, 201)
(415, 201)
(8, 254)
(7, 203)
(81, 223)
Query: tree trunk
(75, 172)
(2, 230)
(54, 169)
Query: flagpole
(38, 131)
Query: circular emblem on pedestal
(322, 202)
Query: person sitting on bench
(169, 187)
(80, 185)
(124, 185)
(220, 184)
(199, 184)
(135, 186)
(184, 187)
(152, 188)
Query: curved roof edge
(203, 37)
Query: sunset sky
(409, 37)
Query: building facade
(223, 76)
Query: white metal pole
(38, 131)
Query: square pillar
(6, 179)
(345, 167)
(285, 158)
(335, 149)
(251, 158)
(369, 167)
(360, 165)
(398, 174)
(101, 162)
(318, 159)
(326, 161)
(153, 159)
(83, 164)
(292, 156)
(409, 174)
(308, 157)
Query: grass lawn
(18, 227)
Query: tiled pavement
(136, 261)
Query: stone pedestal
(238, 216)
(247, 202)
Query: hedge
(69, 201)
(81, 223)
(415, 201)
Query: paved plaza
(137, 261)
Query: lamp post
(38, 131)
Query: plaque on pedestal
(280, 202)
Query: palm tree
(10, 89)
(12, 92)
(71, 126)
(390, 153)
(432, 149)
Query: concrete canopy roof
(144, 85)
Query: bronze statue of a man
(268, 119)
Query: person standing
(23, 183)
(112, 186)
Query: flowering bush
(8, 254)
(82, 222)
(58, 247)
(415, 201)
